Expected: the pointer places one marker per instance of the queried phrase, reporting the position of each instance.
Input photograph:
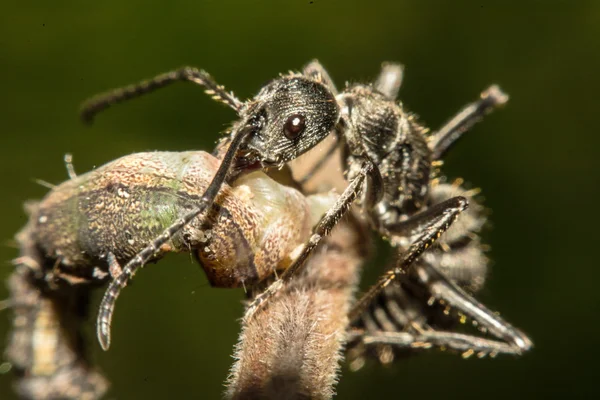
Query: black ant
(390, 160)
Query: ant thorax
(376, 127)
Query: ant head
(288, 117)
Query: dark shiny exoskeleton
(374, 127)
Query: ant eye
(294, 126)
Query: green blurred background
(536, 161)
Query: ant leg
(315, 70)
(107, 305)
(322, 229)
(461, 256)
(466, 344)
(439, 142)
(393, 314)
(102, 101)
(429, 224)
(447, 292)
(69, 164)
(389, 80)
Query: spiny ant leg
(466, 344)
(107, 304)
(322, 229)
(101, 102)
(69, 164)
(433, 222)
(315, 70)
(389, 80)
(319, 164)
(428, 219)
(445, 291)
(439, 142)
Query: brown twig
(292, 348)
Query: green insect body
(113, 211)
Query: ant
(390, 163)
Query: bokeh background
(536, 161)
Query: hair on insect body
(390, 161)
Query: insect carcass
(77, 235)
